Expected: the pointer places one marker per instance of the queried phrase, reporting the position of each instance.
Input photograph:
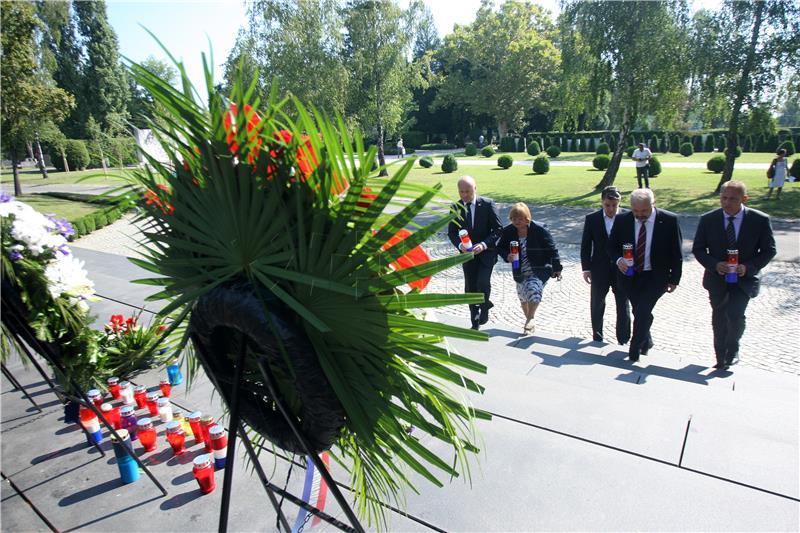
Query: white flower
(31, 228)
(66, 277)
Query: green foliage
(426, 162)
(629, 151)
(100, 220)
(603, 148)
(601, 162)
(541, 165)
(582, 145)
(794, 170)
(508, 144)
(788, 146)
(487, 151)
(655, 167)
(737, 154)
(89, 222)
(80, 227)
(470, 149)
(534, 148)
(553, 151)
(716, 163)
(686, 149)
(591, 146)
(709, 143)
(437, 146)
(505, 161)
(414, 139)
(674, 143)
(77, 154)
(449, 163)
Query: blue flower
(15, 255)
(62, 226)
(5, 197)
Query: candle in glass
(126, 393)
(206, 423)
(165, 387)
(176, 437)
(128, 420)
(146, 433)
(92, 424)
(112, 415)
(152, 403)
(204, 473)
(95, 396)
(140, 396)
(164, 410)
(627, 254)
(113, 387)
(197, 429)
(174, 374)
(219, 442)
(178, 415)
(128, 469)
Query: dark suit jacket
(539, 246)
(755, 243)
(594, 256)
(485, 228)
(666, 257)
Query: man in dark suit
(657, 262)
(479, 217)
(598, 268)
(732, 227)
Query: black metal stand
(235, 428)
(18, 386)
(20, 329)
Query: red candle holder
(147, 434)
(95, 396)
(176, 437)
(165, 387)
(140, 396)
(206, 423)
(152, 403)
(112, 415)
(197, 429)
(113, 387)
(203, 470)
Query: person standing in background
(642, 158)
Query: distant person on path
(538, 259)
(598, 268)
(479, 217)
(732, 227)
(642, 157)
(481, 139)
(780, 170)
(655, 236)
(401, 150)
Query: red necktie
(641, 244)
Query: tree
(426, 36)
(105, 82)
(608, 50)
(141, 103)
(377, 43)
(502, 64)
(25, 102)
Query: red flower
(414, 257)
(116, 322)
(253, 130)
(154, 199)
(130, 323)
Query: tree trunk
(502, 129)
(40, 159)
(15, 171)
(616, 158)
(381, 155)
(29, 146)
(103, 162)
(741, 92)
(64, 158)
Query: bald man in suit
(732, 227)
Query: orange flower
(414, 257)
(253, 130)
(152, 198)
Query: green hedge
(470, 149)
(541, 165)
(686, 149)
(487, 151)
(655, 167)
(601, 161)
(425, 162)
(533, 148)
(716, 163)
(437, 146)
(449, 164)
(553, 150)
(505, 161)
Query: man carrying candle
(598, 268)
(658, 261)
(479, 217)
(749, 232)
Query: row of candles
(203, 429)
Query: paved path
(682, 319)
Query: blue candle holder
(174, 374)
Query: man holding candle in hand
(479, 217)
(734, 240)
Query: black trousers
(477, 278)
(643, 172)
(597, 302)
(728, 320)
(643, 294)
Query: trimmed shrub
(449, 164)
(425, 162)
(553, 151)
(505, 161)
(653, 144)
(541, 165)
(437, 146)
(77, 154)
(794, 170)
(655, 167)
(80, 228)
(674, 143)
(601, 162)
(100, 220)
(738, 151)
(697, 143)
(686, 149)
(788, 146)
(487, 151)
(414, 139)
(533, 148)
(88, 221)
(470, 149)
(629, 151)
(603, 148)
(591, 147)
(663, 146)
(716, 163)
(582, 145)
(709, 143)
(507, 144)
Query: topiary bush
(505, 161)
(601, 162)
(88, 221)
(541, 165)
(100, 220)
(709, 143)
(437, 146)
(507, 144)
(629, 151)
(449, 164)
(487, 151)
(470, 149)
(591, 147)
(80, 228)
(425, 162)
(553, 150)
(716, 163)
(603, 148)
(77, 154)
(655, 167)
(533, 148)
(738, 151)
(788, 146)
(686, 149)
(794, 170)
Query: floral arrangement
(288, 203)
(55, 289)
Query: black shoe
(597, 338)
(484, 316)
(474, 325)
(730, 361)
(623, 341)
(720, 365)
(633, 356)
(646, 347)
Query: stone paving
(682, 324)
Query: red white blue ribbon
(315, 492)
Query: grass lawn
(94, 176)
(68, 209)
(685, 190)
(697, 157)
